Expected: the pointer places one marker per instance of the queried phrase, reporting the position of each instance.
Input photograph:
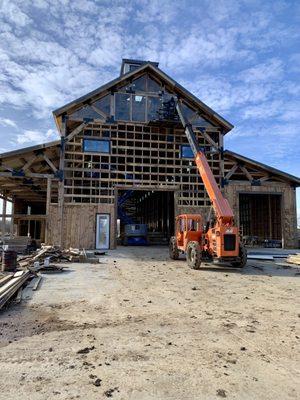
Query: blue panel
(186, 152)
(96, 146)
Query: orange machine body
(220, 238)
(220, 241)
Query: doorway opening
(260, 219)
(153, 209)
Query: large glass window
(104, 104)
(84, 112)
(154, 103)
(138, 108)
(139, 84)
(122, 111)
(153, 86)
(96, 146)
(186, 151)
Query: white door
(102, 231)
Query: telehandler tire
(173, 249)
(193, 255)
(243, 257)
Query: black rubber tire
(173, 249)
(243, 257)
(193, 255)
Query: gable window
(153, 105)
(96, 146)
(186, 151)
(153, 86)
(132, 67)
(139, 108)
(122, 106)
(84, 112)
(140, 83)
(104, 104)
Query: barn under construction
(121, 162)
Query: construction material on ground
(265, 257)
(52, 254)
(49, 268)
(9, 260)
(5, 278)
(12, 286)
(294, 259)
(37, 282)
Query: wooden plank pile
(294, 259)
(10, 284)
(54, 254)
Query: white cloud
(8, 122)
(35, 137)
(12, 13)
(272, 69)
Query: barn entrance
(145, 213)
(260, 219)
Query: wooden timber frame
(71, 185)
(25, 181)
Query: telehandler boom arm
(221, 206)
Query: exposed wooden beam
(265, 178)
(210, 140)
(48, 202)
(30, 217)
(4, 202)
(29, 162)
(98, 111)
(231, 171)
(50, 163)
(247, 173)
(6, 167)
(27, 175)
(76, 131)
(61, 183)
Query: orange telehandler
(219, 239)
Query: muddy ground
(139, 326)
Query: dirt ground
(139, 326)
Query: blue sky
(242, 58)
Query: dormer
(129, 65)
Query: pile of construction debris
(42, 260)
(51, 254)
(294, 259)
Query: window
(138, 108)
(84, 112)
(154, 103)
(132, 67)
(186, 151)
(153, 86)
(96, 146)
(139, 84)
(122, 106)
(104, 104)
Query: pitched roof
(293, 179)
(29, 149)
(178, 89)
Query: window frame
(96, 140)
(181, 152)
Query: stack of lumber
(294, 259)
(54, 254)
(10, 284)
